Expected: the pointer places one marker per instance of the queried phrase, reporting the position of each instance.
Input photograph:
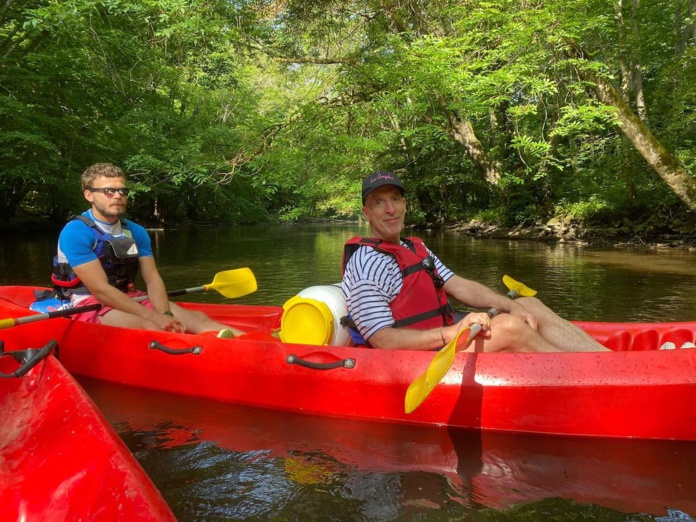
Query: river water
(217, 461)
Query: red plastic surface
(60, 459)
(638, 391)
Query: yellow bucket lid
(306, 321)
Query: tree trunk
(463, 132)
(684, 27)
(637, 68)
(657, 156)
(623, 60)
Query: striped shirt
(371, 281)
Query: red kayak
(59, 457)
(637, 391)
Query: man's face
(107, 207)
(385, 210)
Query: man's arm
(410, 339)
(476, 295)
(469, 293)
(93, 276)
(376, 312)
(156, 291)
(95, 279)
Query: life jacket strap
(442, 311)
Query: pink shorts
(93, 316)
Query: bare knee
(508, 325)
(149, 325)
(511, 334)
(532, 304)
(507, 334)
(194, 320)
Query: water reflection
(284, 258)
(225, 461)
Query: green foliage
(557, 510)
(249, 111)
(493, 216)
(582, 210)
(150, 85)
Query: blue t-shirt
(76, 242)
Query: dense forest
(228, 111)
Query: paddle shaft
(187, 291)
(230, 283)
(8, 323)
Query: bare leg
(126, 320)
(510, 334)
(558, 331)
(197, 322)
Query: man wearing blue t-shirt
(99, 254)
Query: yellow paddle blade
(426, 382)
(517, 287)
(441, 363)
(234, 283)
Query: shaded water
(223, 462)
(228, 462)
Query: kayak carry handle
(27, 358)
(341, 363)
(156, 345)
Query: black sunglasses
(429, 266)
(111, 192)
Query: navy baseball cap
(379, 179)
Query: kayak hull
(59, 457)
(635, 391)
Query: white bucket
(313, 316)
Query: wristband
(442, 336)
(168, 313)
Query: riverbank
(586, 234)
(656, 232)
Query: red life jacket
(420, 304)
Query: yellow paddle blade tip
(431, 377)
(516, 286)
(234, 283)
(411, 403)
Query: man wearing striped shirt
(396, 291)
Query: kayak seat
(645, 340)
(678, 338)
(619, 341)
(650, 339)
(625, 341)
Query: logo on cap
(383, 175)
